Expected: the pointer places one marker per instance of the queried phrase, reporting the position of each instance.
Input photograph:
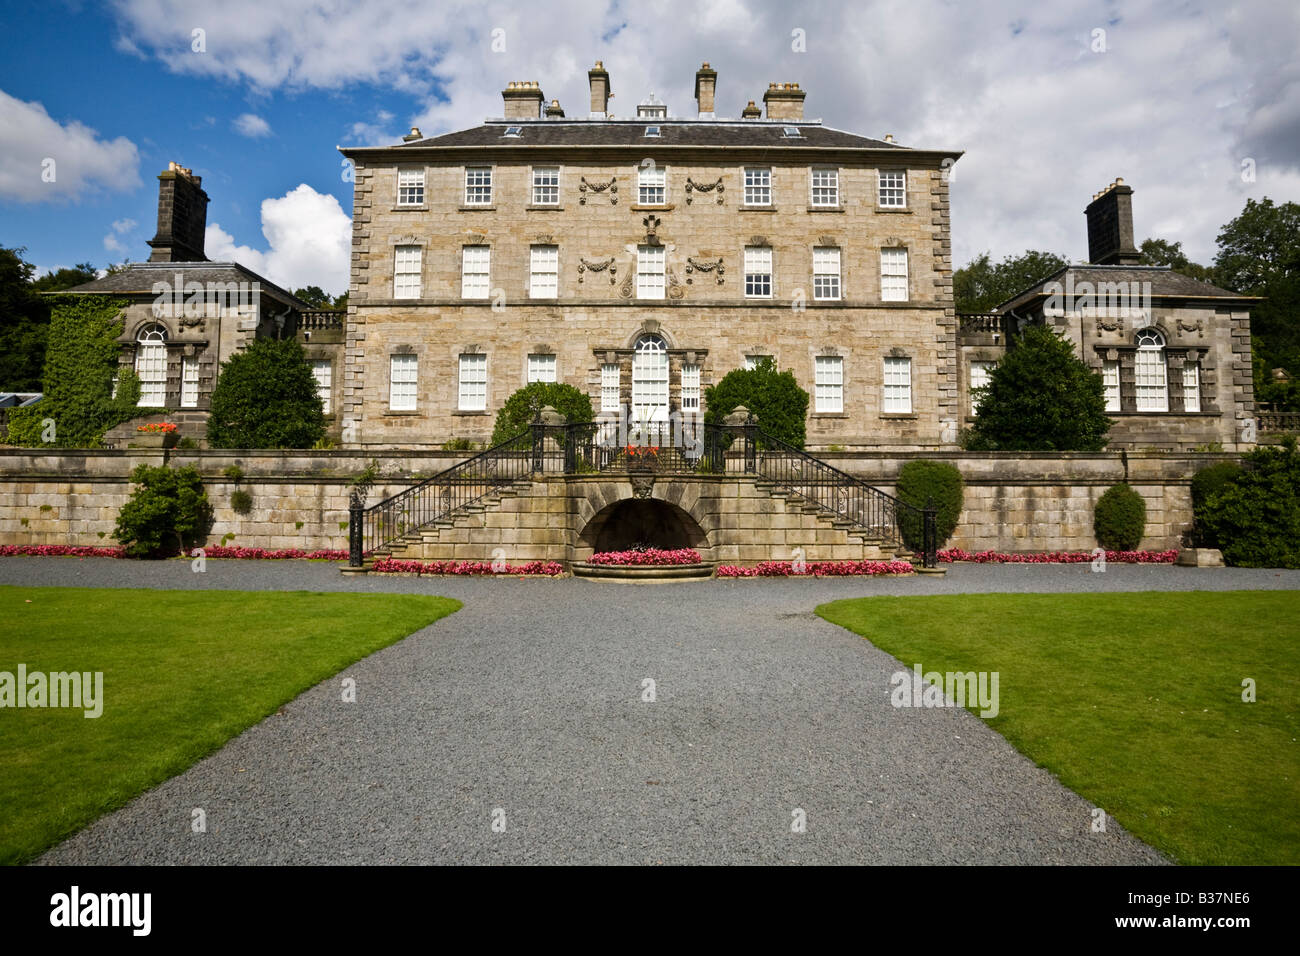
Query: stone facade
(596, 313)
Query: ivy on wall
(80, 362)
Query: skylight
(652, 130)
(515, 131)
(791, 132)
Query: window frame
(552, 291)
(747, 186)
(325, 389)
(469, 279)
(473, 189)
(535, 186)
(397, 384)
(475, 362)
(905, 275)
(901, 188)
(753, 278)
(828, 388)
(654, 170)
(825, 277)
(546, 363)
(646, 290)
(1192, 389)
(611, 383)
(151, 357)
(985, 366)
(896, 382)
(813, 187)
(402, 290)
(691, 392)
(421, 186)
(189, 381)
(1150, 362)
(1110, 379)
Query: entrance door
(649, 387)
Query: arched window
(1149, 372)
(151, 366)
(650, 380)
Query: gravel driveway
(515, 731)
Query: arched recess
(643, 521)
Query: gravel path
(527, 706)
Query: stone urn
(154, 440)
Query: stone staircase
(466, 534)
(856, 538)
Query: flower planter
(154, 440)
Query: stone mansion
(642, 258)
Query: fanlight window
(649, 380)
(1149, 372)
(151, 366)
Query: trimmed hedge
(266, 397)
(1120, 519)
(1254, 518)
(775, 398)
(920, 480)
(522, 407)
(1207, 483)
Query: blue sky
(1177, 98)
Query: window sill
(400, 412)
(830, 415)
(894, 209)
(544, 207)
(421, 208)
(654, 207)
(826, 208)
(481, 411)
(491, 207)
(899, 416)
(757, 208)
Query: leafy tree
(522, 407)
(1259, 254)
(315, 296)
(775, 398)
(1040, 397)
(24, 324)
(79, 274)
(168, 512)
(920, 481)
(1161, 252)
(1254, 518)
(982, 284)
(80, 365)
(265, 397)
(341, 302)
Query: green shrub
(265, 397)
(168, 512)
(241, 502)
(1254, 518)
(918, 482)
(522, 407)
(775, 398)
(1205, 484)
(81, 360)
(1120, 519)
(459, 444)
(187, 444)
(1040, 397)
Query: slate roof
(672, 133)
(1164, 282)
(139, 277)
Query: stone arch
(690, 519)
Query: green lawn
(184, 671)
(1133, 701)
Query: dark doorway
(647, 522)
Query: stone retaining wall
(1014, 502)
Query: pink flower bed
(393, 566)
(1058, 557)
(58, 551)
(815, 569)
(649, 556)
(326, 554)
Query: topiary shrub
(522, 407)
(81, 360)
(1207, 483)
(265, 397)
(918, 482)
(1040, 397)
(168, 512)
(775, 398)
(1255, 517)
(1120, 519)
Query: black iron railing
(671, 447)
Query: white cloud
(1182, 94)
(251, 125)
(309, 240)
(43, 159)
(120, 227)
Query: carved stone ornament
(1109, 325)
(675, 289)
(625, 290)
(642, 485)
(704, 265)
(693, 186)
(584, 187)
(1198, 327)
(475, 238)
(599, 265)
(651, 223)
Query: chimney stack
(523, 100)
(182, 217)
(598, 79)
(751, 112)
(1110, 227)
(706, 84)
(784, 101)
(555, 110)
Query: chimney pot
(751, 111)
(523, 99)
(784, 101)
